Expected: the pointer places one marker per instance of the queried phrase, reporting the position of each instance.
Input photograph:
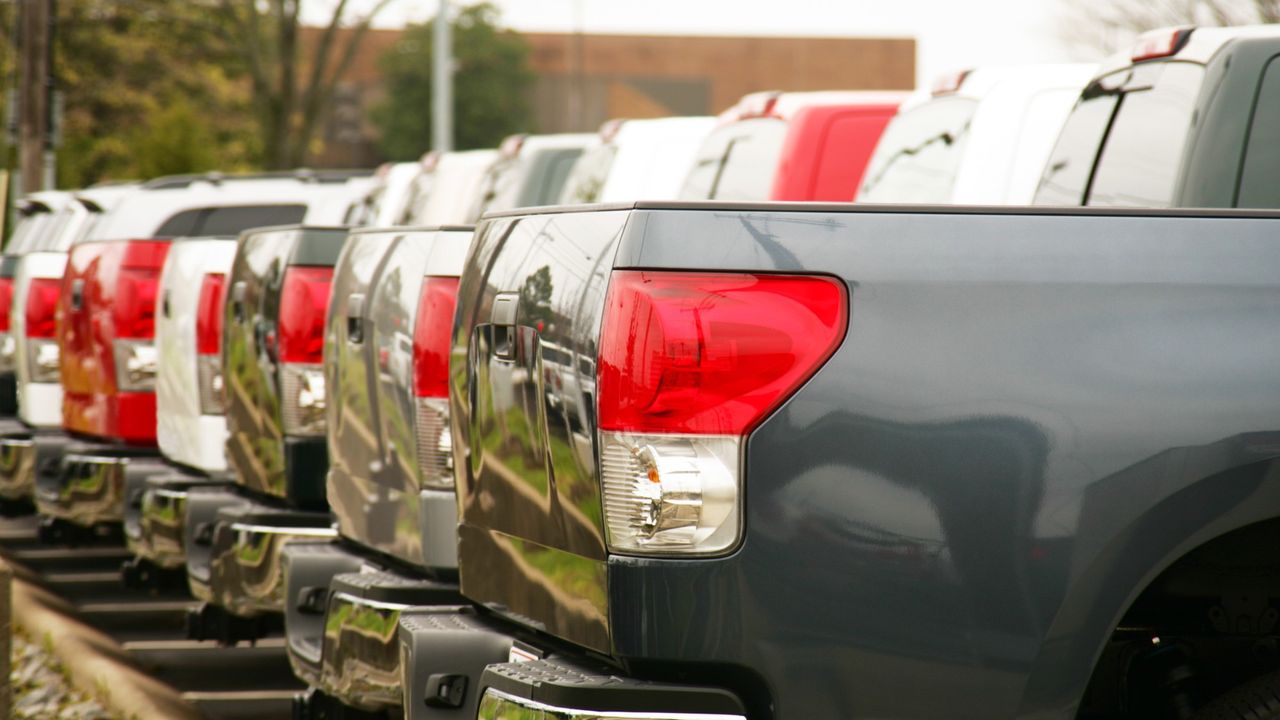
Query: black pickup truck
(870, 462)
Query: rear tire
(1258, 699)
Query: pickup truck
(390, 480)
(1189, 118)
(790, 146)
(277, 293)
(191, 427)
(447, 188)
(38, 263)
(862, 462)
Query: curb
(95, 663)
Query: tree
(290, 92)
(490, 86)
(1106, 25)
(136, 72)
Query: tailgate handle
(164, 305)
(238, 291)
(503, 319)
(355, 318)
(77, 294)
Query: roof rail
(173, 182)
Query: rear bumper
(159, 514)
(24, 453)
(309, 566)
(199, 520)
(93, 481)
(361, 658)
(246, 574)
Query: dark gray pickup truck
(819, 461)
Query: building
(583, 80)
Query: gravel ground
(41, 690)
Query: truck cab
(790, 146)
(1190, 117)
(978, 137)
(636, 160)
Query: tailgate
(179, 430)
(522, 403)
(251, 339)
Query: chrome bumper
(245, 571)
(161, 512)
(202, 507)
(360, 663)
(90, 489)
(17, 467)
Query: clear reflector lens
(209, 377)
(43, 361)
(435, 444)
(304, 399)
(8, 352)
(670, 493)
(135, 365)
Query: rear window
(737, 161)
(588, 175)
(1260, 178)
(1122, 144)
(917, 158)
(230, 220)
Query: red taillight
(711, 353)
(431, 336)
(6, 302)
(42, 304)
(135, 305)
(209, 314)
(303, 302)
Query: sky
(951, 34)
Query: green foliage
(146, 90)
(490, 86)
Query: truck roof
(1200, 47)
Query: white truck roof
(454, 186)
(1002, 122)
(139, 214)
(637, 160)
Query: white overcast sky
(950, 34)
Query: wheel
(1258, 699)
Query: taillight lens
(213, 291)
(40, 326)
(7, 345)
(689, 364)
(303, 302)
(135, 303)
(209, 343)
(39, 319)
(6, 302)
(431, 345)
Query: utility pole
(35, 95)
(442, 81)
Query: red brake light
(431, 336)
(1160, 43)
(6, 302)
(135, 307)
(711, 353)
(42, 304)
(209, 314)
(303, 303)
